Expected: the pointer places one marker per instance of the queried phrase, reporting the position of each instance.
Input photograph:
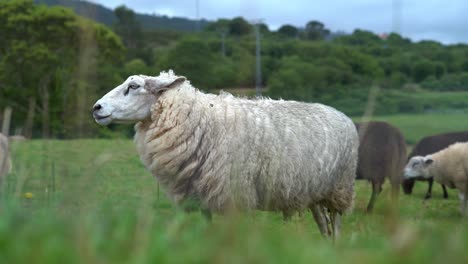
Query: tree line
(106, 16)
(54, 64)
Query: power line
(397, 16)
(197, 14)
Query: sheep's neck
(166, 144)
(143, 126)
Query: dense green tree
(239, 27)
(362, 65)
(301, 80)
(129, 29)
(361, 38)
(396, 40)
(42, 50)
(397, 80)
(423, 69)
(263, 28)
(136, 66)
(220, 25)
(448, 82)
(315, 30)
(37, 57)
(193, 58)
(288, 31)
(439, 69)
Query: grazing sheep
(382, 154)
(224, 152)
(5, 161)
(430, 145)
(448, 167)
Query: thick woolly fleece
(450, 166)
(233, 153)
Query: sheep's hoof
(427, 197)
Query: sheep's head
(418, 167)
(131, 101)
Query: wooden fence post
(6, 121)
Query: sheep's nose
(97, 107)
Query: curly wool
(450, 166)
(227, 152)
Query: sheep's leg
(336, 224)
(207, 214)
(287, 216)
(429, 189)
(320, 219)
(376, 188)
(444, 189)
(328, 219)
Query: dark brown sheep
(428, 145)
(382, 154)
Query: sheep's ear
(152, 85)
(428, 161)
(175, 83)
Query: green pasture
(416, 126)
(91, 201)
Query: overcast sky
(442, 20)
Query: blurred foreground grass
(91, 201)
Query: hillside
(106, 16)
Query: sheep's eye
(133, 86)
(416, 163)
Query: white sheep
(448, 167)
(5, 161)
(228, 153)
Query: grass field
(416, 126)
(91, 201)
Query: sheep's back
(285, 154)
(435, 143)
(450, 165)
(382, 152)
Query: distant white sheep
(5, 161)
(233, 153)
(448, 167)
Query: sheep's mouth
(103, 120)
(409, 175)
